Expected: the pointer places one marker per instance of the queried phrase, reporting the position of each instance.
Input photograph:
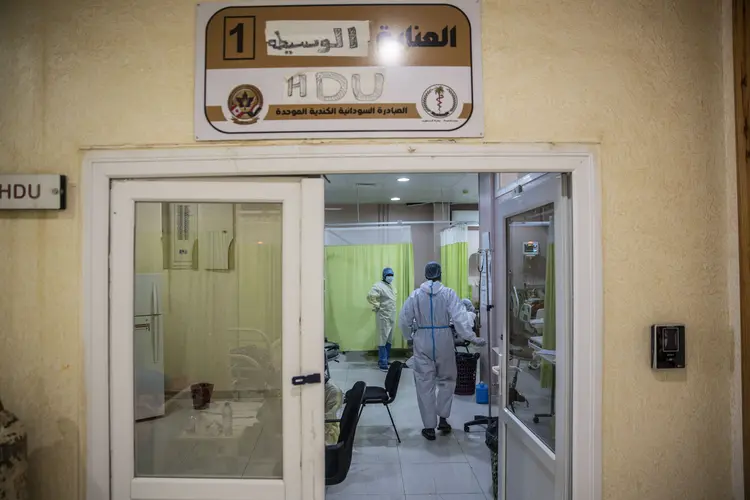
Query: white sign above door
(353, 69)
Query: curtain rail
(398, 223)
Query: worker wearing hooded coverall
(382, 297)
(425, 321)
(470, 310)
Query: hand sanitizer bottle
(226, 418)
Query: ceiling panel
(421, 188)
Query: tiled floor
(454, 467)
(165, 448)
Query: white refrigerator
(148, 347)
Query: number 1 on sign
(239, 38)
(239, 30)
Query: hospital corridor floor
(454, 467)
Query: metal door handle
(313, 378)
(155, 340)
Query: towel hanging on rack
(214, 252)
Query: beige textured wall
(641, 78)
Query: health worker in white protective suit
(425, 320)
(382, 297)
(470, 310)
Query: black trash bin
(466, 368)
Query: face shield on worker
(426, 319)
(382, 298)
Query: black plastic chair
(386, 395)
(339, 455)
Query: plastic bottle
(192, 425)
(482, 393)
(226, 419)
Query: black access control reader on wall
(667, 346)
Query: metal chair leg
(393, 424)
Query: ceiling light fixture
(395, 198)
(403, 179)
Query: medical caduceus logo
(245, 103)
(439, 101)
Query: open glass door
(534, 314)
(206, 343)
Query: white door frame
(102, 166)
(557, 462)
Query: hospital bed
(550, 356)
(254, 361)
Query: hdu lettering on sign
(32, 192)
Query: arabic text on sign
(412, 37)
(357, 111)
(323, 45)
(323, 111)
(291, 112)
(393, 111)
(345, 111)
(317, 38)
(304, 111)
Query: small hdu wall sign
(32, 192)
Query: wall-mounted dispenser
(667, 346)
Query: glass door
(205, 340)
(534, 309)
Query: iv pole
(487, 253)
(483, 267)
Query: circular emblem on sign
(245, 103)
(439, 101)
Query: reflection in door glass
(207, 340)
(530, 383)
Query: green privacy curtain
(454, 258)
(549, 335)
(350, 271)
